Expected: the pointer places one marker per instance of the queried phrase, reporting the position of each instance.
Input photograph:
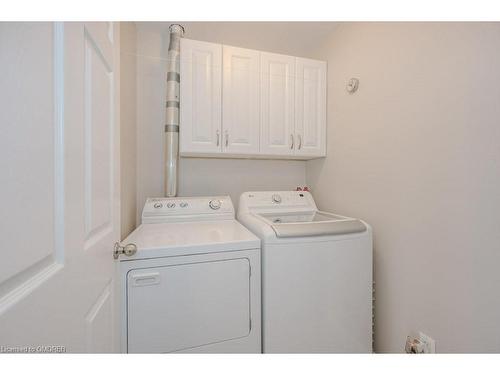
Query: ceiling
(292, 38)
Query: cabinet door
(240, 101)
(201, 95)
(277, 104)
(310, 107)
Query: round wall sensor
(352, 85)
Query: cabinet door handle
(227, 138)
(300, 141)
(293, 142)
(218, 137)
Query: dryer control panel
(165, 210)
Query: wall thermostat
(352, 85)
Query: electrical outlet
(413, 346)
(428, 343)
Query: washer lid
(316, 223)
(197, 237)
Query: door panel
(98, 134)
(184, 306)
(28, 162)
(310, 107)
(241, 106)
(62, 165)
(98, 320)
(201, 96)
(277, 104)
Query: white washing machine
(194, 283)
(316, 274)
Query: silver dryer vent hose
(172, 111)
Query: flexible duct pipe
(172, 111)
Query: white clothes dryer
(194, 283)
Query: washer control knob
(276, 198)
(183, 204)
(214, 204)
(170, 204)
(158, 205)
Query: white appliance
(316, 274)
(194, 283)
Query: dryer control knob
(276, 198)
(215, 204)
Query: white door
(201, 97)
(59, 156)
(240, 100)
(277, 104)
(310, 107)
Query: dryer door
(185, 306)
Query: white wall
(128, 164)
(234, 176)
(289, 38)
(199, 176)
(416, 153)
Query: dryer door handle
(145, 279)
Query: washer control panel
(187, 208)
(271, 201)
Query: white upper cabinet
(277, 104)
(310, 107)
(240, 101)
(201, 97)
